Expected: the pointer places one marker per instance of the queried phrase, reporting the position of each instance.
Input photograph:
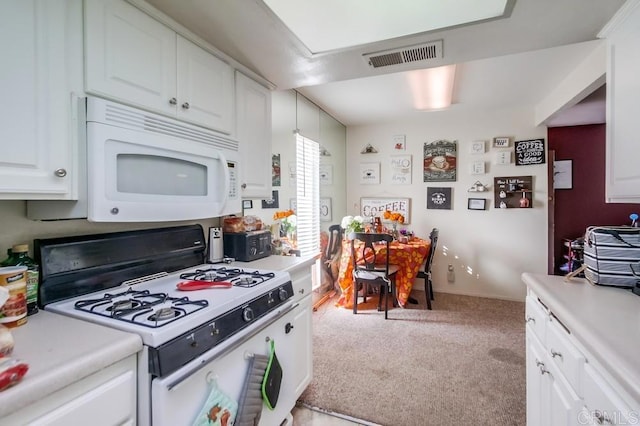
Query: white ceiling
(500, 63)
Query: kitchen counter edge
(60, 351)
(279, 263)
(604, 320)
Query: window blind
(308, 195)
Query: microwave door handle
(227, 181)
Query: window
(308, 195)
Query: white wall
(15, 228)
(497, 245)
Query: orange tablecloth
(408, 256)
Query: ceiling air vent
(417, 53)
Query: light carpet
(463, 363)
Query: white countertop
(605, 320)
(279, 263)
(60, 351)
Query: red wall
(584, 205)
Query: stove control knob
(283, 295)
(247, 314)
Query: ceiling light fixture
(432, 88)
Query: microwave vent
(141, 120)
(424, 53)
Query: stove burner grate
(237, 276)
(131, 305)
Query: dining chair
(331, 256)
(426, 272)
(367, 272)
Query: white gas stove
(193, 317)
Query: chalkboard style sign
(439, 198)
(513, 192)
(529, 152)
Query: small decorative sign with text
(530, 152)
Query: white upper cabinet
(254, 135)
(41, 44)
(623, 108)
(132, 58)
(205, 88)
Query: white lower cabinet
(107, 398)
(565, 384)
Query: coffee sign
(530, 152)
(372, 207)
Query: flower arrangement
(393, 216)
(282, 214)
(352, 224)
(288, 221)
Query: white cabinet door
(107, 398)
(303, 368)
(130, 56)
(41, 44)
(535, 403)
(623, 108)
(253, 129)
(205, 88)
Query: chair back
(335, 241)
(364, 256)
(433, 236)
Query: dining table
(409, 256)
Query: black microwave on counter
(247, 246)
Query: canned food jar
(14, 311)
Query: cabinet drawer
(536, 317)
(603, 403)
(563, 353)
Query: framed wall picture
(401, 169)
(325, 209)
(276, 177)
(477, 167)
(503, 158)
(293, 205)
(440, 161)
(477, 147)
(439, 198)
(399, 143)
(271, 203)
(370, 173)
(563, 174)
(477, 204)
(247, 204)
(326, 174)
(501, 142)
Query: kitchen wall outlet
(451, 275)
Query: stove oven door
(177, 399)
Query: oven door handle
(232, 347)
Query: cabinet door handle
(185, 105)
(531, 319)
(60, 172)
(173, 101)
(555, 354)
(541, 366)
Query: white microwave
(144, 167)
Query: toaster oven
(247, 246)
